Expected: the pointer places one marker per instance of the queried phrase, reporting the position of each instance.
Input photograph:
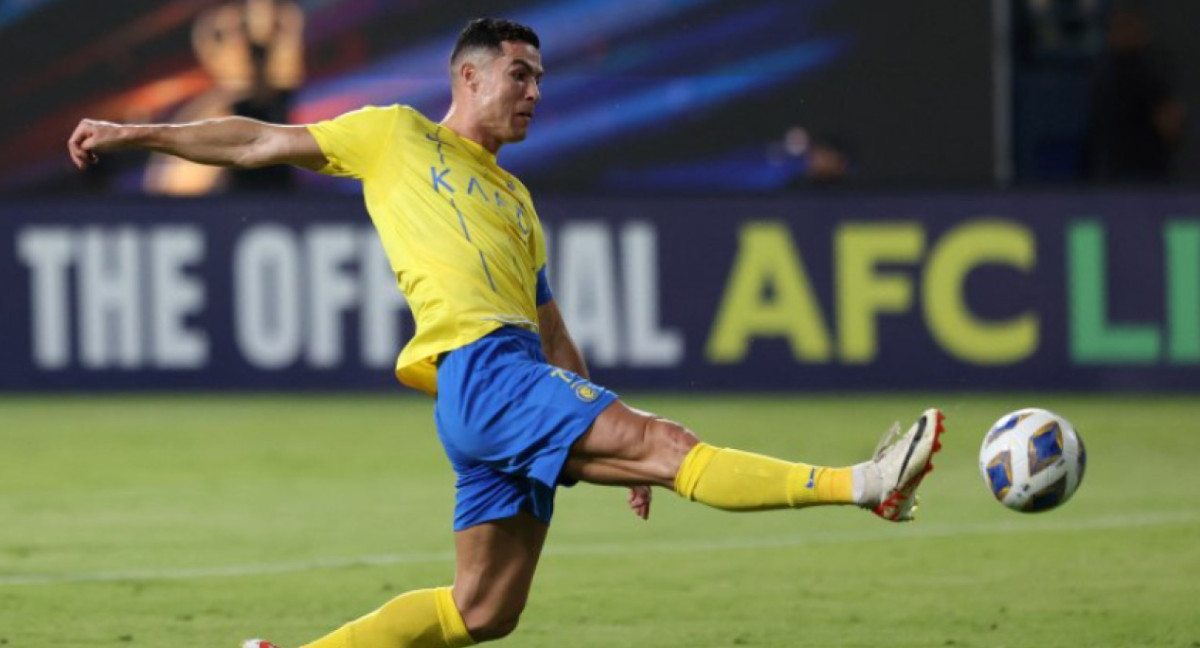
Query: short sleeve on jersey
(353, 142)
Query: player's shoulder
(406, 119)
(389, 113)
(411, 115)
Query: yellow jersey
(460, 233)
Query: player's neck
(467, 128)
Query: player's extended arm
(557, 344)
(227, 141)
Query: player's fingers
(81, 160)
(78, 146)
(639, 501)
(87, 147)
(74, 150)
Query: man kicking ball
(515, 409)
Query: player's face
(509, 90)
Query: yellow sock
(742, 481)
(421, 619)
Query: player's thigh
(495, 563)
(626, 442)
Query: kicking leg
(628, 447)
(495, 565)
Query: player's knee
(488, 625)
(668, 443)
(670, 437)
(491, 622)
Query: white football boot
(902, 461)
(258, 643)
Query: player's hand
(639, 501)
(90, 138)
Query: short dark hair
(489, 33)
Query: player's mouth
(526, 115)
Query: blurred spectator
(236, 39)
(254, 51)
(264, 102)
(1135, 116)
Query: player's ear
(468, 74)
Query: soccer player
(515, 409)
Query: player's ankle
(868, 484)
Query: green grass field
(200, 521)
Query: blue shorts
(507, 420)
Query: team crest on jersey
(586, 392)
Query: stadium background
(827, 211)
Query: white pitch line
(1015, 527)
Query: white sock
(868, 484)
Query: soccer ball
(1032, 460)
